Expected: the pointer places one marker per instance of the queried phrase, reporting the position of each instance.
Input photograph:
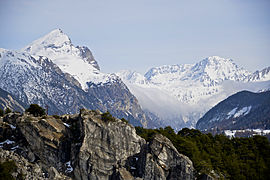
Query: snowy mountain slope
(77, 61)
(71, 80)
(157, 101)
(39, 81)
(132, 77)
(190, 83)
(263, 75)
(193, 88)
(243, 110)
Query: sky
(138, 35)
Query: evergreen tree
(36, 110)
(236, 158)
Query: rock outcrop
(105, 146)
(167, 162)
(159, 159)
(28, 170)
(88, 145)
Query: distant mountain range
(180, 94)
(52, 71)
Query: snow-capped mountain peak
(217, 69)
(191, 89)
(56, 39)
(167, 69)
(209, 71)
(77, 61)
(133, 77)
(52, 72)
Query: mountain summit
(77, 61)
(56, 39)
(211, 70)
(218, 69)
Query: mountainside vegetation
(236, 158)
(243, 110)
(36, 110)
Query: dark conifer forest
(236, 158)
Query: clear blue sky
(146, 33)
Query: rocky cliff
(88, 145)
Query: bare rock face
(89, 146)
(105, 146)
(46, 138)
(160, 160)
(23, 164)
(113, 150)
(29, 170)
(86, 54)
(167, 162)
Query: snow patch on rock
(242, 112)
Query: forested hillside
(236, 158)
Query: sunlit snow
(231, 133)
(58, 47)
(244, 111)
(231, 113)
(187, 91)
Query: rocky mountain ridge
(89, 145)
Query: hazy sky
(140, 34)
